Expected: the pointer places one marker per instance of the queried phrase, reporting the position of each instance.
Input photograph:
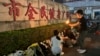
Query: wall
(17, 14)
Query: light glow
(67, 21)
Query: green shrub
(21, 39)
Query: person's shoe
(70, 46)
(62, 53)
(81, 50)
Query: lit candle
(67, 21)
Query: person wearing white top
(56, 44)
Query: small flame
(67, 22)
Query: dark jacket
(83, 24)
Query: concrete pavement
(92, 46)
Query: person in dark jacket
(82, 23)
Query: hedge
(21, 39)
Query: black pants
(81, 38)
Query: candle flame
(67, 22)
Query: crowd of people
(70, 38)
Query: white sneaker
(81, 50)
(70, 46)
(62, 53)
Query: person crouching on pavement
(56, 44)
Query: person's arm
(51, 42)
(75, 24)
(65, 38)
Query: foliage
(11, 41)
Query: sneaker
(62, 53)
(81, 50)
(70, 46)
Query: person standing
(82, 23)
(56, 44)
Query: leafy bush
(21, 39)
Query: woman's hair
(67, 30)
(56, 34)
(80, 11)
(69, 34)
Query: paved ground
(91, 43)
(93, 47)
(71, 52)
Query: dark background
(64, 1)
